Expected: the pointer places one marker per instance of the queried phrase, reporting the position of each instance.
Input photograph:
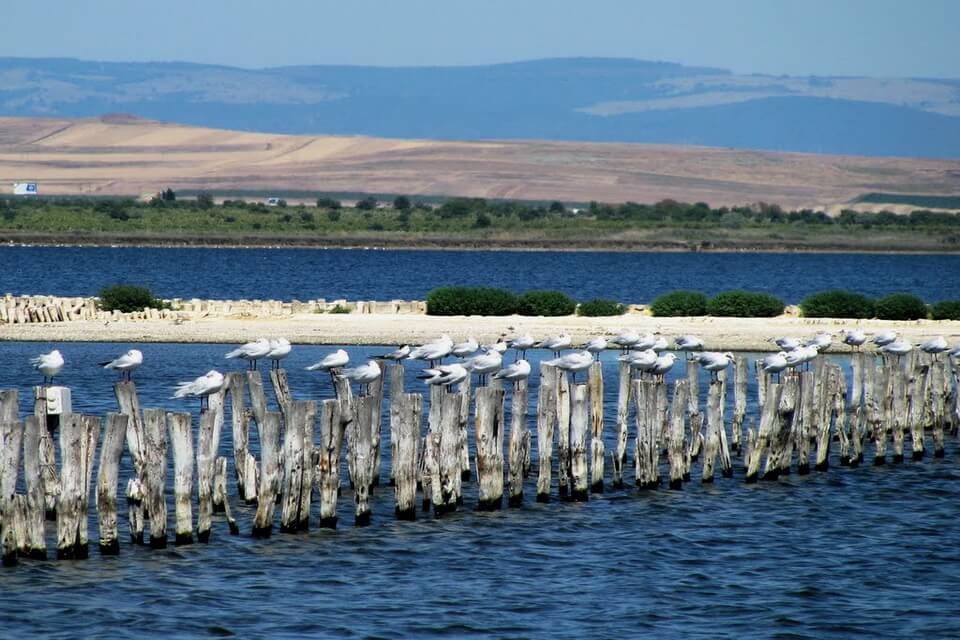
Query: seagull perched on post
(279, 349)
(596, 346)
(364, 375)
(487, 362)
(785, 343)
(251, 352)
(521, 344)
(202, 387)
(49, 364)
(854, 337)
(822, 341)
(556, 344)
(640, 360)
(626, 339)
(884, 338)
(433, 352)
(774, 363)
(514, 373)
(331, 362)
(125, 364)
(663, 364)
(400, 354)
(934, 346)
(715, 362)
(466, 348)
(446, 375)
(574, 362)
(688, 343)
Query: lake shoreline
(721, 334)
(455, 244)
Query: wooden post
(405, 434)
(782, 437)
(563, 434)
(396, 390)
(825, 388)
(489, 444)
(297, 466)
(448, 466)
(428, 458)
(220, 493)
(327, 472)
(207, 445)
(36, 534)
(739, 402)
(804, 422)
(269, 475)
(768, 424)
(677, 453)
(281, 389)
(519, 442)
(619, 457)
(347, 415)
(463, 421)
(597, 451)
(72, 443)
(129, 405)
(711, 443)
(181, 439)
(879, 411)
(375, 390)
(361, 450)
(240, 423)
(546, 416)
(693, 409)
(11, 438)
(645, 450)
(899, 409)
(579, 417)
(155, 442)
(938, 377)
(48, 455)
(258, 399)
(857, 382)
(917, 392)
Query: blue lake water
(305, 274)
(864, 552)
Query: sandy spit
(735, 334)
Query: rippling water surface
(303, 274)
(869, 552)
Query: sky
(892, 38)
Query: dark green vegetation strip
(914, 200)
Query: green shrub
(127, 297)
(339, 308)
(744, 304)
(946, 310)
(680, 303)
(545, 303)
(600, 307)
(470, 301)
(837, 304)
(901, 306)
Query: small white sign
(25, 189)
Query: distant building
(273, 202)
(25, 189)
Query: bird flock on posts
(648, 354)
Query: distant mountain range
(584, 99)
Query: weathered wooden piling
(208, 442)
(269, 474)
(519, 442)
(769, 423)
(619, 457)
(11, 438)
(829, 387)
(693, 410)
(563, 434)
(546, 417)
(408, 409)
(155, 444)
(597, 451)
(489, 447)
(938, 392)
(297, 466)
(646, 449)
(711, 442)
(129, 405)
(879, 410)
(917, 402)
(258, 399)
(898, 408)
(739, 403)
(327, 471)
(447, 469)
(220, 493)
(361, 452)
(396, 390)
(181, 440)
(244, 464)
(375, 391)
(781, 437)
(463, 428)
(70, 500)
(579, 418)
(281, 389)
(804, 424)
(48, 455)
(35, 516)
(676, 452)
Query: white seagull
(715, 362)
(331, 361)
(822, 341)
(49, 364)
(897, 348)
(521, 344)
(884, 338)
(125, 364)
(575, 362)
(519, 370)
(279, 349)
(400, 354)
(854, 337)
(363, 375)
(801, 355)
(464, 349)
(660, 344)
(934, 346)
(487, 362)
(785, 343)
(689, 343)
(774, 363)
(640, 360)
(596, 346)
(446, 375)
(433, 351)
(557, 344)
(251, 351)
(500, 346)
(625, 339)
(202, 387)
(663, 364)
(647, 341)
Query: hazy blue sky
(824, 37)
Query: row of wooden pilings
(301, 445)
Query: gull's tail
(236, 353)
